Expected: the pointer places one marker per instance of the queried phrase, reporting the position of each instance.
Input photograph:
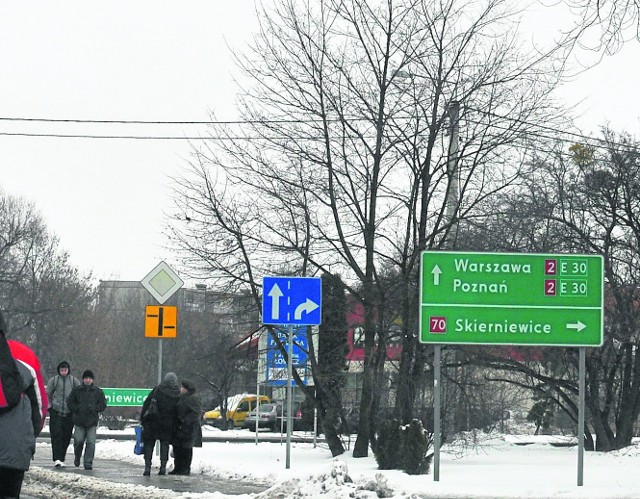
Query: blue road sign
(276, 363)
(292, 300)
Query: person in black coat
(188, 431)
(85, 403)
(161, 424)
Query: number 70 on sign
(437, 325)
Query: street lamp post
(451, 201)
(450, 216)
(451, 204)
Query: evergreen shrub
(403, 447)
(387, 451)
(416, 442)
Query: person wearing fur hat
(158, 423)
(85, 403)
(21, 423)
(188, 431)
(60, 418)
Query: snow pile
(45, 483)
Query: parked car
(238, 406)
(266, 415)
(299, 421)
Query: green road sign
(126, 397)
(511, 299)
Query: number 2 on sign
(550, 267)
(437, 325)
(550, 287)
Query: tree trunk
(361, 447)
(330, 424)
(406, 395)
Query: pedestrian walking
(188, 431)
(159, 416)
(21, 417)
(85, 403)
(60, 418)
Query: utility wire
(534, 129)
(157, 122)
(576, 135)
(134, 137)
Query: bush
(403, 447)
(387, 452)
(416, 442)
(541, 413)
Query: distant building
(232, 310)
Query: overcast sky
(106, 199)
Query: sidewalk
(62, 479)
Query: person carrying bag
(158, 418)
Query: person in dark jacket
(60, 418)
(160, 425)
(22, 423)
(85, 403)
(188, 431)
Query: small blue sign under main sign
(292, 300)
(276, 363)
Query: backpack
(10, 378)
(152, 411)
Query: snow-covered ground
(479, 465)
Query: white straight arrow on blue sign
(275, 294)
(292, 300)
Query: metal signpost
(291, 301)
(162, 282)
(511, 299)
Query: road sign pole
(289, 394)
(511, 299)
(581, 388)
(291, 301)
(437, 350)
(258, 383)
(159, 381)
(160, 361)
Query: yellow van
(238, 406)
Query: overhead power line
(534, 129)
(127, 137)
(538, 130)
(156, 122)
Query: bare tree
(220, 364)
(43, 296)
(604, 25)
(586, 200)
(341, 165)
